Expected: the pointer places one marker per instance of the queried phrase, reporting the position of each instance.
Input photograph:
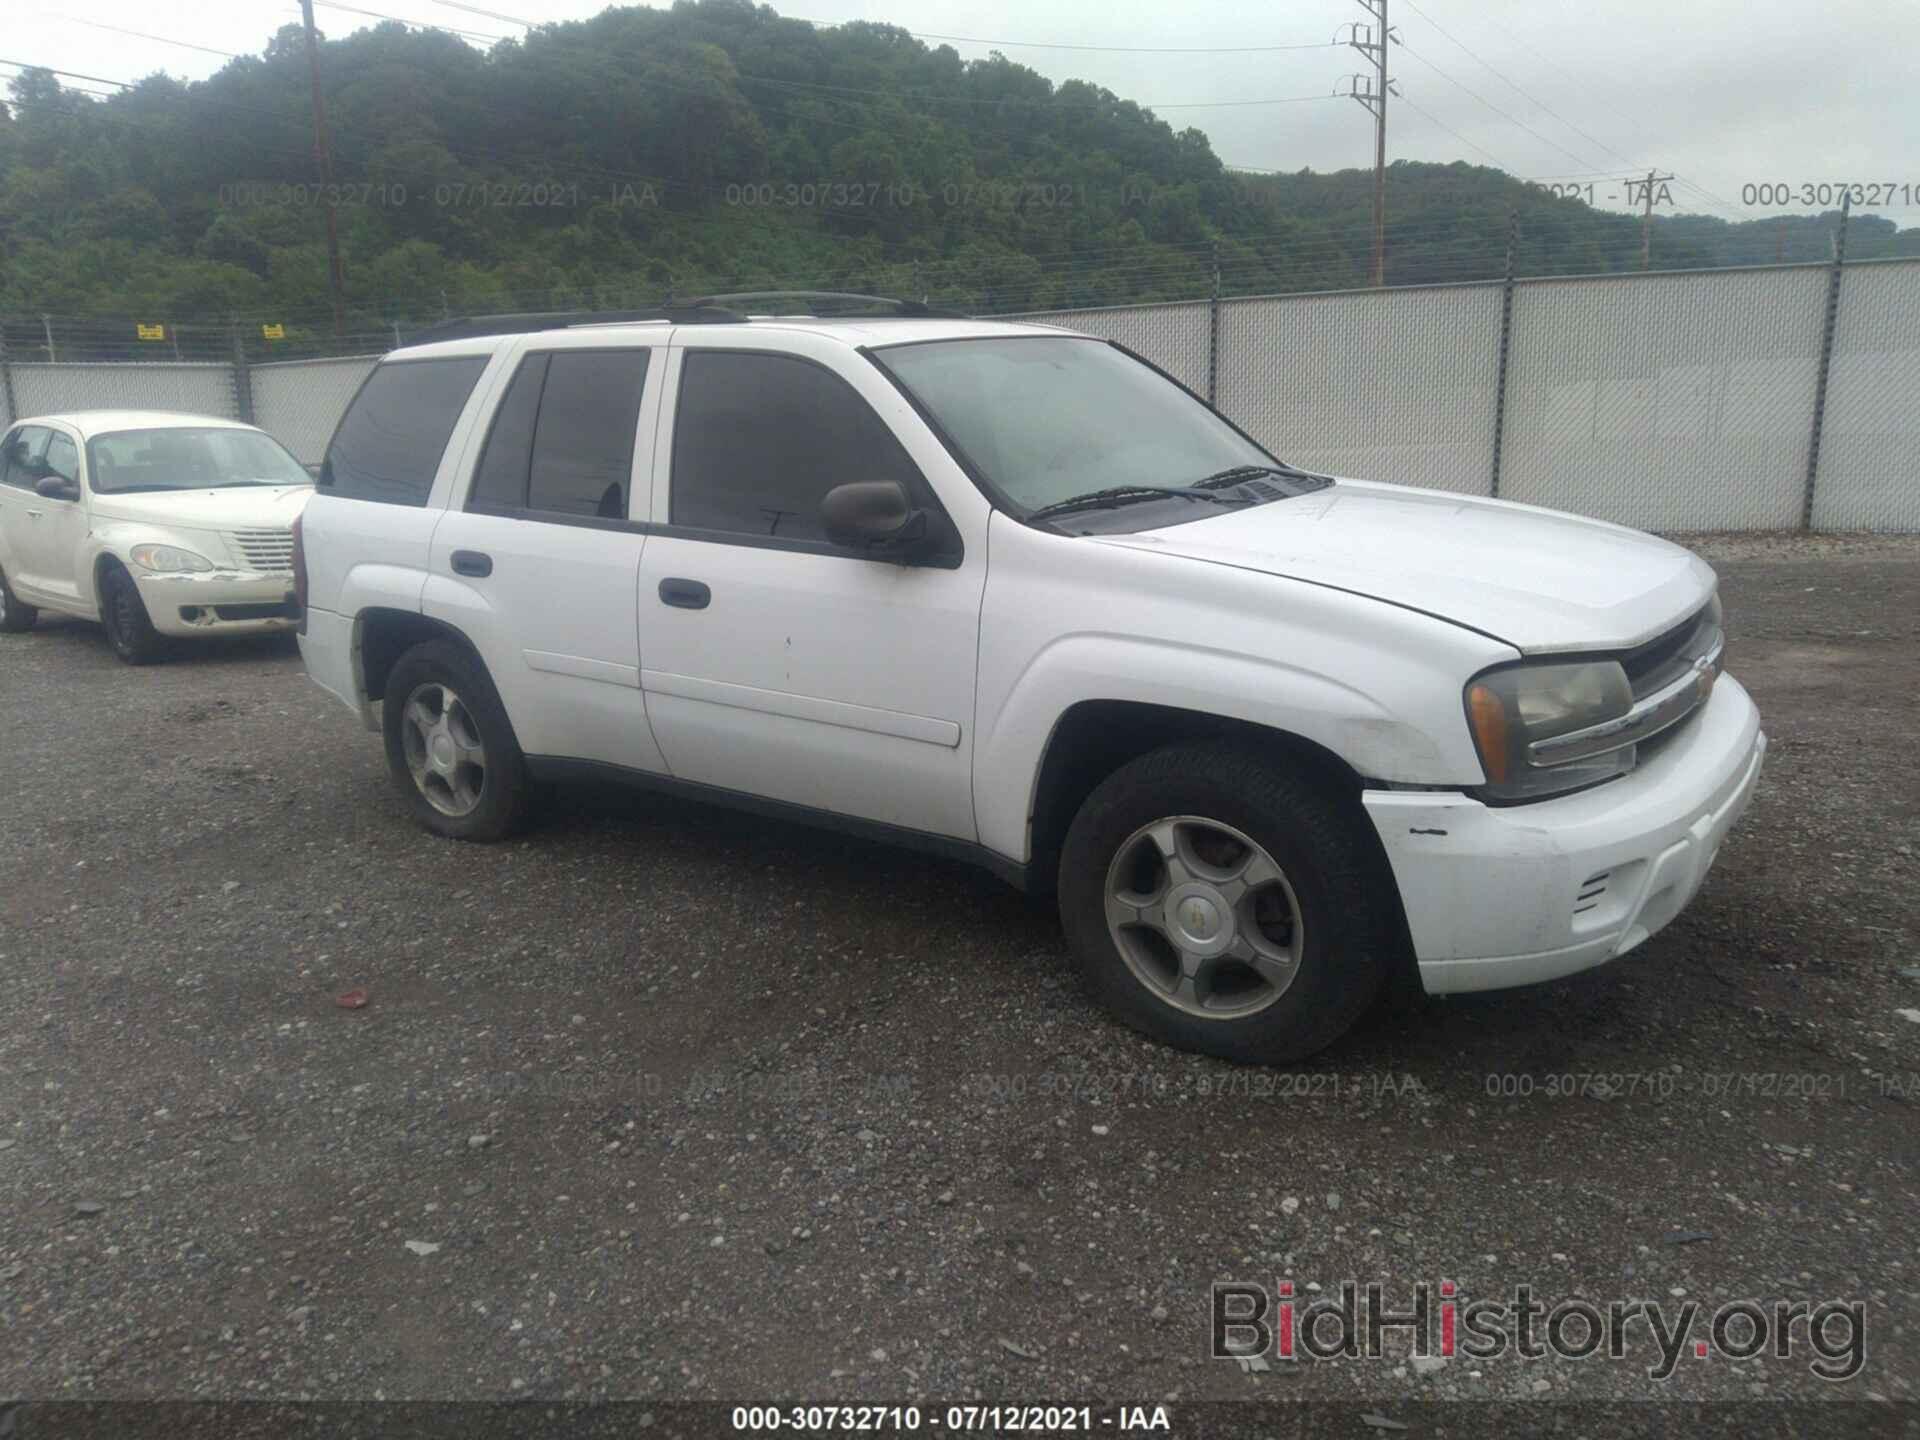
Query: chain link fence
(1687, 400)
(198, 387)
(1667, 402)
(298, 402)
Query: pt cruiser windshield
(126, 462)
(1084, 435)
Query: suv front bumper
(1511, 895)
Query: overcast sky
(1723, 93)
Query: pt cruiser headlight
(1511, 710)
(169, 559)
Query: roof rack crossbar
(469, 327)
(848, 299)
(706, 310)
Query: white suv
(1010, 593)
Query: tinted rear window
(389, 442)
(562, 440)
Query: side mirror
(57, 487)
(873, 515)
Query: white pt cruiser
(153, 523)
(1012, 594)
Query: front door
(46, 548)
(775, 662)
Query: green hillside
(719, 146)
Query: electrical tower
(1372, 91)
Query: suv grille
(1666, 658)
(270, 551)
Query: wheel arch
(382, 634)
(1094, 738)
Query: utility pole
(1646, 219)
(323, 157)
(1372, 91)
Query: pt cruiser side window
(758, 439)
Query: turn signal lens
(1489, 718)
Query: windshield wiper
(1128, 495)
(1240, 474)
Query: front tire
(450, 748)
(16, 616)
(1225, 903)
(129, 629)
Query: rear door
(538, 558)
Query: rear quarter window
(390, 440)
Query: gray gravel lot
(669, 1103)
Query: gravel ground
(666, 1103)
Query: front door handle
(686, 594)
(472, 562)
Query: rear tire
(450, 747)
(1223, 902)
(16, 616)
(129, 629)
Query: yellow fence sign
(273, 332)
(152, 332)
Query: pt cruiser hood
(241, 508)
(1537, 579)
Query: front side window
(389, 442)
(758, 439)
(26, 456)
(125, 462)
(1048, 419)
(63, 457)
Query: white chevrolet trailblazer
(1010, 593)
(151, 522)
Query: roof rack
(844, 303)
(688, 312)
(706, 310)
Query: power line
(1514, 85)
(974, 40)
(416, 24)
(142, 35)
(1578, 159)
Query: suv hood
(243, 509)
(1538, 579)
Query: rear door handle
(686, 594)
(472, 562)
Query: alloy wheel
(445, 754)
(1204, 917)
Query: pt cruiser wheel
(16, 616)
(124, 614)
(450, 750)
(1223, 901)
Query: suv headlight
(1511, 709)
(169, 558)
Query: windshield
(1047, 419)
(188, 458)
